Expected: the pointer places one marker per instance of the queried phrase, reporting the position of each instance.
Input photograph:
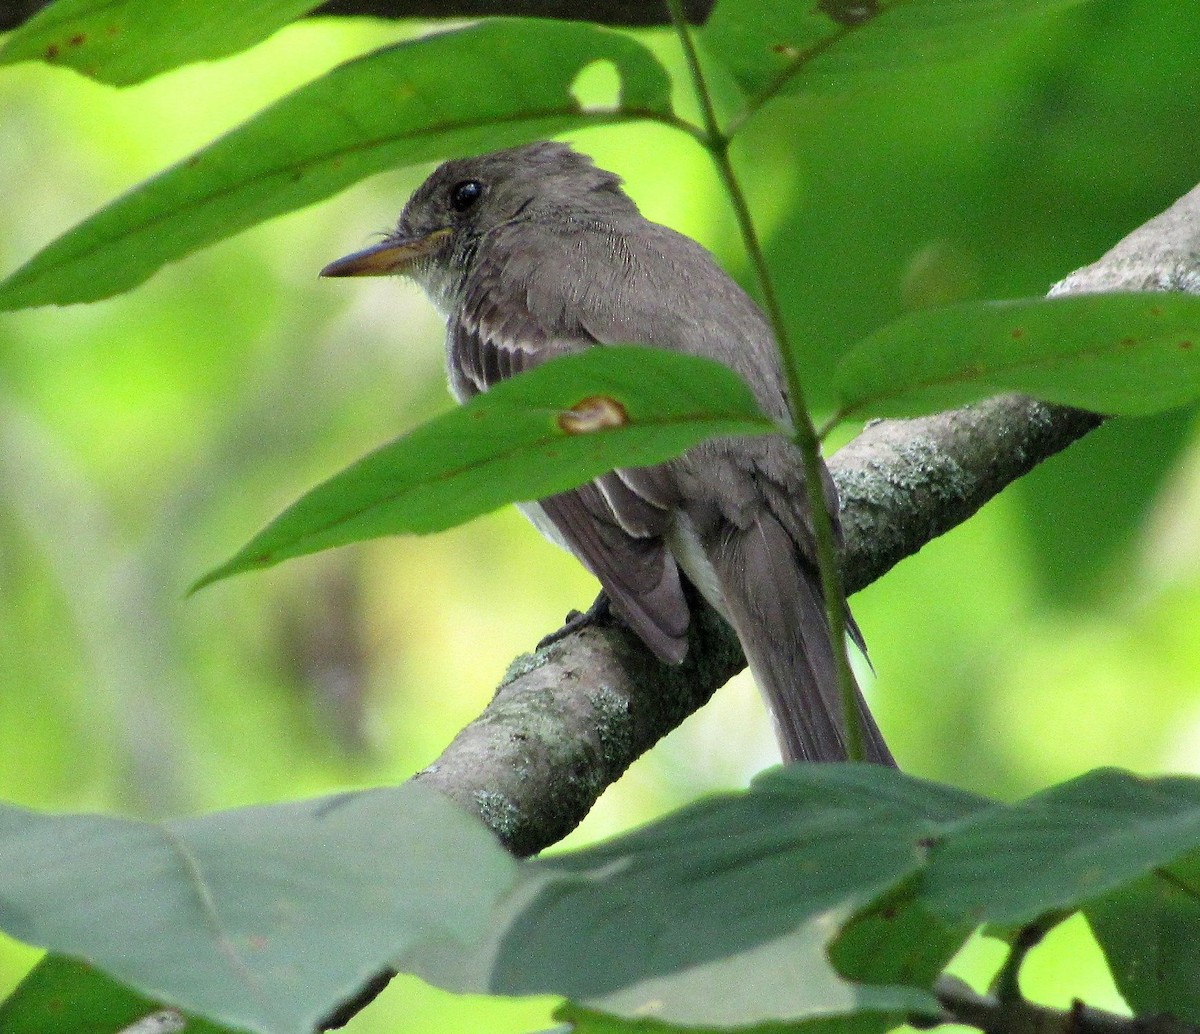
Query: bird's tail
(778, 612)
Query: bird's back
(635, 281)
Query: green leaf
(65, 996)
(516, 442)
(825, 895)
(126, 41)
(1062, 848)
(398, 106)
(262, 918)
(1150, 934)
(722, 914)
(896, 940)
(1128, 354)
(825, 892)
(849, 44)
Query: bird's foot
(598, 613)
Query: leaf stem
(831, 423)
(804, 434)
(1006, 985)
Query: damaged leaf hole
(592, 414)
(597, 87)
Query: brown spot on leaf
(77, 40)
(1018, 333)
(594, 413)
(1156, 310)
(52, 52)
(1186, 346)
(1128, 342)
(787, 50)
(112, 30)
(849, 12)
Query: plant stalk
(804, 433)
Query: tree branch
(568, 720)
(609, 12)
(964, 1005)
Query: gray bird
(533, 253)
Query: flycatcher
(533, 253)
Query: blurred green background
(144, 438)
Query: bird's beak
(390, 256)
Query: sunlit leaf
(125, 41)
(849, 44)
(543, 432)
(395, 107)
(262, 918)
(1115, 353)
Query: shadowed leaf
(387, 109)
(723, 914)
(1128, 354)
(65, 996)
(1150, 934)
(1063, 847)
(851, 44)
(261, 918)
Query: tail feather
(778, 612)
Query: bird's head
(466, 198)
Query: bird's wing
(615, 524)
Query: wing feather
(613, 527)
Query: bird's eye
(463, 195)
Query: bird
(535, 252)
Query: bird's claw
(598, 612)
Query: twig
(964, 1005)
(1007, 983)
